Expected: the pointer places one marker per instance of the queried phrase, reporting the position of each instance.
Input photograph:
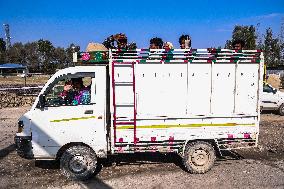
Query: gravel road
(262, 167)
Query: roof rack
(208, 55)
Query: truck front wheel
(199, 157)
(78, 163)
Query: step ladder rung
(123, 83)
(124, 105)
(125, 123)
(123, 65)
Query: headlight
(20, 126)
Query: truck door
(67, 118)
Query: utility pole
(282, 42)
(8, 37)
(259, 37)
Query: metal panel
(199, 89)
(223, 83)
(247, 89)
(161, 89)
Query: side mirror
(41, 102)
(274, 91)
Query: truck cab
(53, 123)
(272, 99)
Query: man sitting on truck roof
(238, 44)
(156, 43)
(121, 42)
(185, 42)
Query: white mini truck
(272, 99)
(193, 102)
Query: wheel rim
(78, 164)
(282, 109)
(200, 157)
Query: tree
(2, 45)
(228, 44)
(16, 53)
(2, 50)
(259, 37)
(45, 49)
(281, 40)
(32, 56)
(60, 58)
(272, 49)
(245, 33)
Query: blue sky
(210, 23)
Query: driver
(75, 92)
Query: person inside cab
(75, 92)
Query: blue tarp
(12, 66)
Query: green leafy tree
(272, 48)
(32, 56)
(16, 53)
(46, 50)
(281, 40)
(60, 58)
(259, 38)
(2, 45)
(245, 33)
(228, 44)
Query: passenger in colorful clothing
(75, 92)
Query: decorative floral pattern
(86, 56)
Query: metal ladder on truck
(118, 85)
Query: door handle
(89, 112)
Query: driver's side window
(52, 96)
(71, 91)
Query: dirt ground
(262, 167)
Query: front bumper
(24, 146)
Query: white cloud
(268, 16)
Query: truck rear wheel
(281, 110)
(78, 163)
(199, 157)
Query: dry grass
(274, 81)
(16, 80)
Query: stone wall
(9, 99)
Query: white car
(272, 99)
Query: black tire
(78, 163)
(281, 110)
(199, 157)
